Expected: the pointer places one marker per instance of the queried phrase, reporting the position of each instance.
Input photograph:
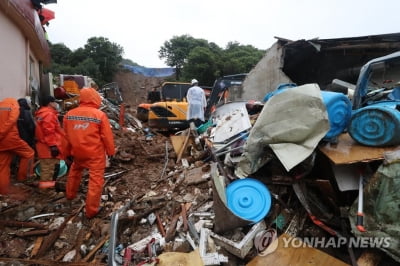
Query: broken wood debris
(49, 241)
(179, 209)
(22, 224)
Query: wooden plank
(183, 148)
(369, 258)
(348, 151)
(297, 254)
(36, 246)
(177, 142)
(96, 248)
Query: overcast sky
(142, 27)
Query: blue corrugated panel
(338, 107)
(376, 125)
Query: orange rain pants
(11, 144)
(25, 167)
(95, 187)
(90, 137)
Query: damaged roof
(322, 60)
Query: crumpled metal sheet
(231, 119)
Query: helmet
(194, 81)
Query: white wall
(14, 62)
(266, 75)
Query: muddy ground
(143, 173)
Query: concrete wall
(266, 75)
(19, 68)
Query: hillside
(134, 87)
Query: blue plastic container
(249, 199)
(338, 107)
(376, 125)
(281, 88)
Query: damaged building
(314, 61)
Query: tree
(239, 58)
(78, 56)
(183, 53)
(60, 53)
(126, 61)
(201, 65)
(176, 51)
(88, 68)
(99, 59)
(57, 69)
(106, 55)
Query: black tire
(142, 114)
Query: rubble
(165, 195)
(149, 208)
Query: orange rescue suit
(90, 137)
(11, 144)
(48, 132)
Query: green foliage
(98, 59)
(78, 56)
(106, 55)
(88, 68)
(240, 58)
(197, 58)
(60, 53)
(176, 51)
(60, 68)
(192, 58)
(126, 61)
(201, 64)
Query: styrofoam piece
(141, 244)
(239, 249)
(209, 258)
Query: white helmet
(194, 81)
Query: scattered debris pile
(283, 185)
(167, 198)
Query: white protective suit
(197, 103)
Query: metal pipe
(234, 149)
(241, 135)
(113, 235)
(113, 239)
(360, 213)
(41, 215)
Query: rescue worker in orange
(11, 144)
(90, 137)
(50, 138)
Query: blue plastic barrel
(281, 88)
(376, 125)
(338, 107)
(249, 199)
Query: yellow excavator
(170, 92)
(170, 112)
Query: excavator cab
(170, 113)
